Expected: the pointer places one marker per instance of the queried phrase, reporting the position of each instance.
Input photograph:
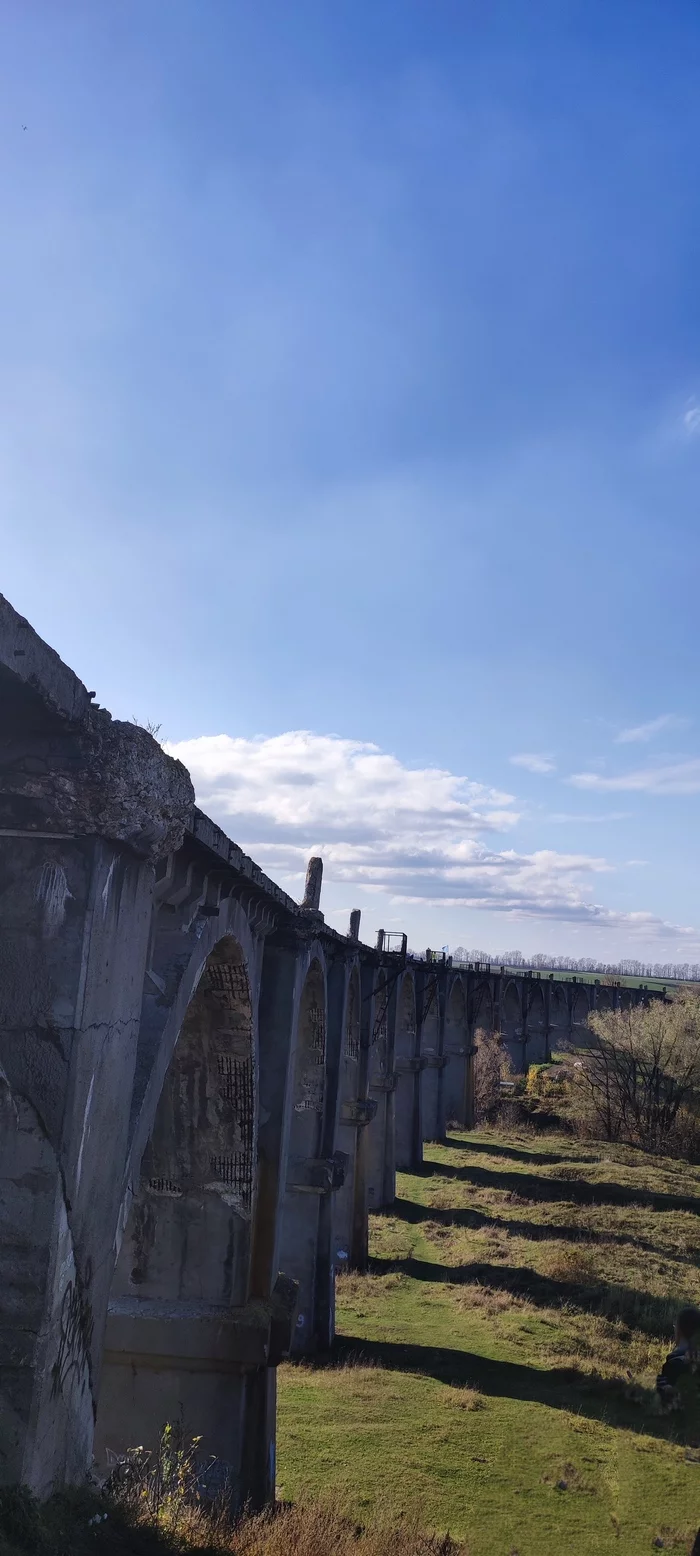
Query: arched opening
(170, 1349)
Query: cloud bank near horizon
(419, 835)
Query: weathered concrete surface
(203, 1089)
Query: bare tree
(491, 1066)
(640, 1080)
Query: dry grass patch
(84, 1524)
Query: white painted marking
(53, 892)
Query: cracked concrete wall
(85, 805)
(74, 919)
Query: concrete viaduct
(203, 1090)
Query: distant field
(624, 982)
(494, 1372)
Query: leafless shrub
(491, 1066)
(640, 1082)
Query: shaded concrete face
(379, 1144)
(349, 1121)
(456, 1074)
(431, 1079)
(174, 1346)
(536, 1048)
(308, 1177)
(407, 1065)
(512, 1022)
(558, 1014)
(73, 927)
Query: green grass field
(494, 1371)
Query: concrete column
(311, 1175)
(407, 1068)
(379, 1147)
(277, 1050)
(74, 919)
(359, 1251)
(343, 1156)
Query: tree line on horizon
(541, 962)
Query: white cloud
(570, 817)
(676, 778)
(644, 732)
(534, 762)
(691, 419)
(410, 833)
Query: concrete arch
(604, 997)
(162, 1019)
(186, 1249)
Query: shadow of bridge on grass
(514, 1153)
(640, 1310)
(577, 1191)
(411, 1211)
(559, 1388)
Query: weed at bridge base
(82, 1524)
(539, 1280)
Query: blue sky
(350, 384)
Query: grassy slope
(519, 1304)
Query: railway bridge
(203, 1091)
